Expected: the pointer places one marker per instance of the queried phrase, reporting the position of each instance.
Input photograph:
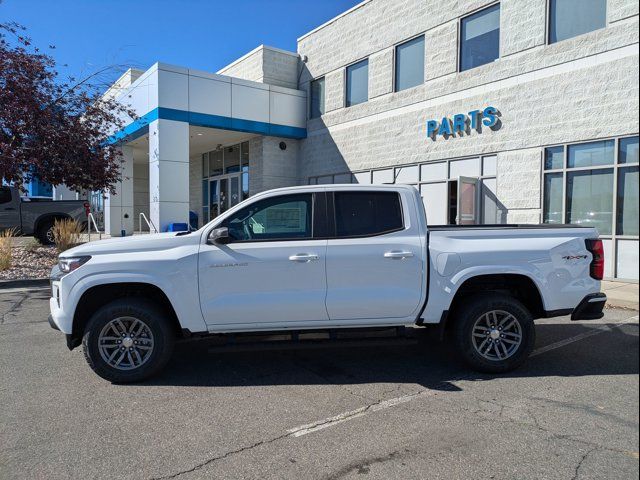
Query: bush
(66, 234)
(6, 244)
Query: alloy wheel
(125, 343)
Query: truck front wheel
(128, 340)
(494, 333)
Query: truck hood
(136, 243)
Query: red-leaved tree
(58, 131)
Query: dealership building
(517, 111)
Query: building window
(357, 83)
(317, 98)
(409, 64)
(595, 184)
(480, 38)
(570, 18)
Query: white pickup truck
(324, 258)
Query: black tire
(141, 309)
(44, 234)
(477, 307)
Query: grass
(6, 244)
(66, 234)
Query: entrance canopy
(183, 114)
(166, 92)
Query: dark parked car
(36, 216)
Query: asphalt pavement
(402, 411)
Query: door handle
(397, 255)
(303, 257)
(9, 208)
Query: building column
(118, 208)
(168, 173)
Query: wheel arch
(517, 285)
(49, 216)
(97, 296)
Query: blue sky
(202, 34)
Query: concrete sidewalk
(621, 294)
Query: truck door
(467, 201)
(273, 270)
(375, 261)
(9, 208)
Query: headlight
(69, 264)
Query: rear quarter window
(363, 214)
(5, 195)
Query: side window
(279, 218)
(360, 214)
(5, 195)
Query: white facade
(557, 90)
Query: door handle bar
(398, 255)
(303, 257)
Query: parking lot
(402, 411)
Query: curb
(24, 283)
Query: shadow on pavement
(428, 362)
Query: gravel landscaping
(30, 262)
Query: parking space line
(582, 336)
(392, 402)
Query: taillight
(87, 208)
(596, 248)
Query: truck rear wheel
(45, 232)
(494, 333)
(128, 340)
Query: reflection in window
(627, 206)
(552, 198)
(317, 98)
(215, 163)
(480, 38)
(570, 18)
(410, 64)
(357, 83)
(590, 199)
(553, 158)
(628, 150)
(232, 159)
(590, 154)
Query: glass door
(467, 205)
(224, 193)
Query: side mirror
(219, 236)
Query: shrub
(66, 234)
(6, 244)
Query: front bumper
(590, 308)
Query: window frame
(314, 211)
(459, 39)
(548, 24)
(346, 82)
(323, 78)
(395, 61)
(332, 210)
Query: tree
(58, 131)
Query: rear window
(5, 195)
(361, 214)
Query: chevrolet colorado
(318, 258)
